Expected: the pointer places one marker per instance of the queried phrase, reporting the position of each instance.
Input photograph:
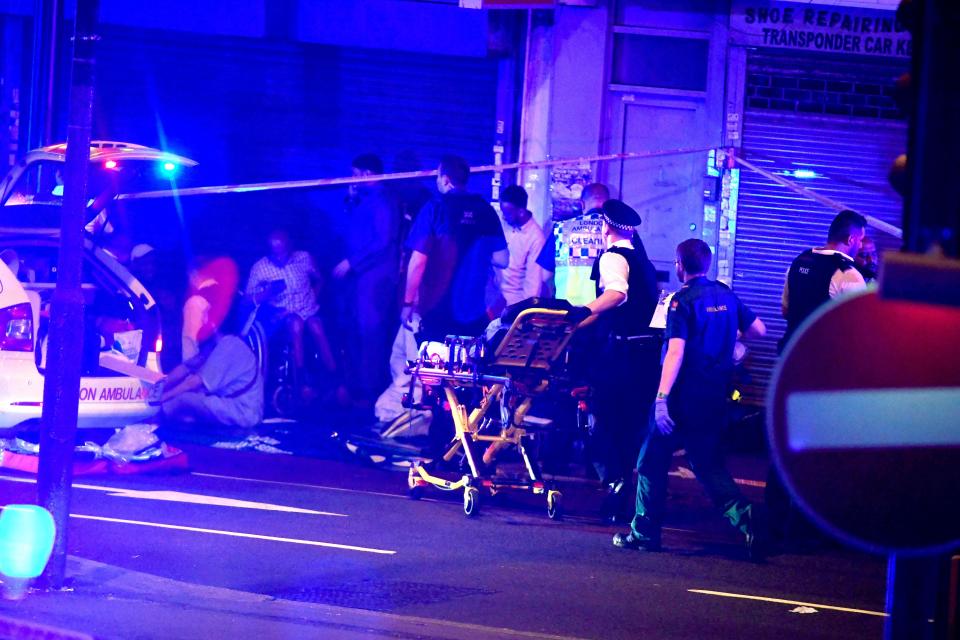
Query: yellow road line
(237, 534)
(828, 607)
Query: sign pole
(916, 592)
(914, 598)
(61, 389)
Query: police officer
(703, 322)
(817, 275)
(623, 374)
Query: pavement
(258, 545)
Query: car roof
(103, 150)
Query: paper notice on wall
(566, 185)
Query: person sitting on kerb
(221, 384)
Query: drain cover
(378, 595)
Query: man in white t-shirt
(523, 277)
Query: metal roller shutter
(252, 110)
(851, 158)
(273, 110)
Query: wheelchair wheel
(283, 402)
(471, 501)
(256, 339)
(554, 504)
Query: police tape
(407, 175)
(579, 161)
(886, 227)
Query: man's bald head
(594, 195)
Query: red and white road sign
(863, 416)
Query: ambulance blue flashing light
(26, 540)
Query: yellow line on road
(236, 534)
(828, 607)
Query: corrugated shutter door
(252, 110)
(851, 158)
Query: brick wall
(827, 86)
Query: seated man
(284, 281)
(220, 385)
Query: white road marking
(237, 534)
(188, 498)
(300, 484)
(864, 418)
(742, 596)
(192, 498)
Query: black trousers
(625, 376)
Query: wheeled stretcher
(490, 395)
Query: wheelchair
(275, 356)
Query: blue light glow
(26, 540)
(169, 167)
(804, 174)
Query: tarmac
(111, 602)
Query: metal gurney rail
(509, 380)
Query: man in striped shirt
(284, 279)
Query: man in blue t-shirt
(455, 242)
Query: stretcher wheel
(471, 501)
(413, 485)
(554, 505)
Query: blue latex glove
(661, 415)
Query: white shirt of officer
(614, 270)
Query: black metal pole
(61, 390)
(932, 208)
(917, 589)
(915, 598)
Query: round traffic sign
(863, 416)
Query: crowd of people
(653, 389)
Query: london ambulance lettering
(97, 393)
(579, 241)
(842, 30)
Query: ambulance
(122, 334)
